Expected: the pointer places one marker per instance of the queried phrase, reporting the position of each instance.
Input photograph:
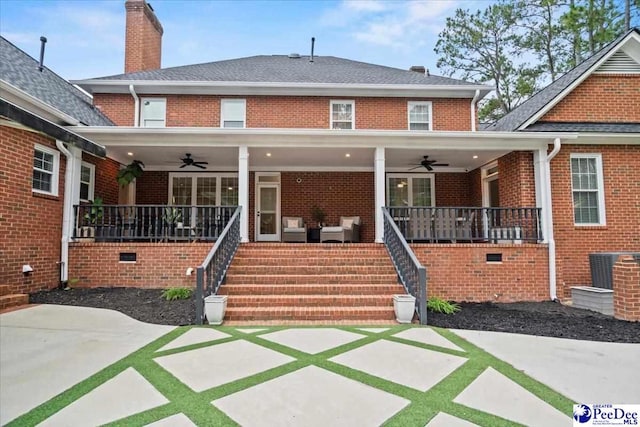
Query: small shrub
(439, 305)
(173, 294)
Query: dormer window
(342, 114)
(419, 115)
(153, 112)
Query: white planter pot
(404, 306)
(214, 308)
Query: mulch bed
(540, 318)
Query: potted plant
(404, 306)
(318, 215)
(172, 216)
(133, 170)
(93, 214)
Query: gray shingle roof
(282, 69)
(585, 127)
(526, 110)
(20, 70)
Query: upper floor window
(153, 112)
(87, 181)
(419, 115)
(342, 115)
(233, 113)
(45, 170)
(587, 185)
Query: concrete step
(13, 300)
(310, 313)
(332, 300)
(312, 289)
(324, 279)
(311, 269)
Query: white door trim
(260, 237)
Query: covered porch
(483, 187)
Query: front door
(267, 207)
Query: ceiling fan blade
(200, 163)
(417, 167)
(183, 165)
(440, 164)
(199, 166)
(429, 168)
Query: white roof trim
(30, 103)
(279, 88)
(578, 81)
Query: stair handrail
(213, 270)
(412, 274)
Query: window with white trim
(153, 112)
(419, 115)
(233, 113)
(203, 189)
(410, 190)
(587, 186)
(342, 115)
(87, 181)
(46, 164)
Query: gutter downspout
(136, 114)
(473, 110)
(67, 210)
(549, 220)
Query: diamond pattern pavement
(249, 380)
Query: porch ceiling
(318, 158)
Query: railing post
(199, 295)
(422, 286)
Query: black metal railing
(411, 273)
(211, 273)
(468, 224)
(155, 223)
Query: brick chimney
(143, 38)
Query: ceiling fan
(188, 161)
(428, 164)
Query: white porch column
(379, 169)
(243, 191)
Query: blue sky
(86, 38)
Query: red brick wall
(460, 272)
(106, 185)
(157, 266)
(517, 181)
(626, 287)
(620, 165)
(118, 107)
(600, 98)
(152, 188)
(453, 189)
(290, 111)
(30, 223)
(143, 38)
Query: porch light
(268, 154)
(347, 155)
(401, 185)
(475, 157)
(129, 153)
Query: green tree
(481, 46)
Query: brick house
(490, 213)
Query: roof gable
(540, 103)
(21, 71)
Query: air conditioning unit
(601, 264)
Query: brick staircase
(310, 282)
(9, 297)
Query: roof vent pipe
(418, 69)
(313, 43)
(43, 41)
